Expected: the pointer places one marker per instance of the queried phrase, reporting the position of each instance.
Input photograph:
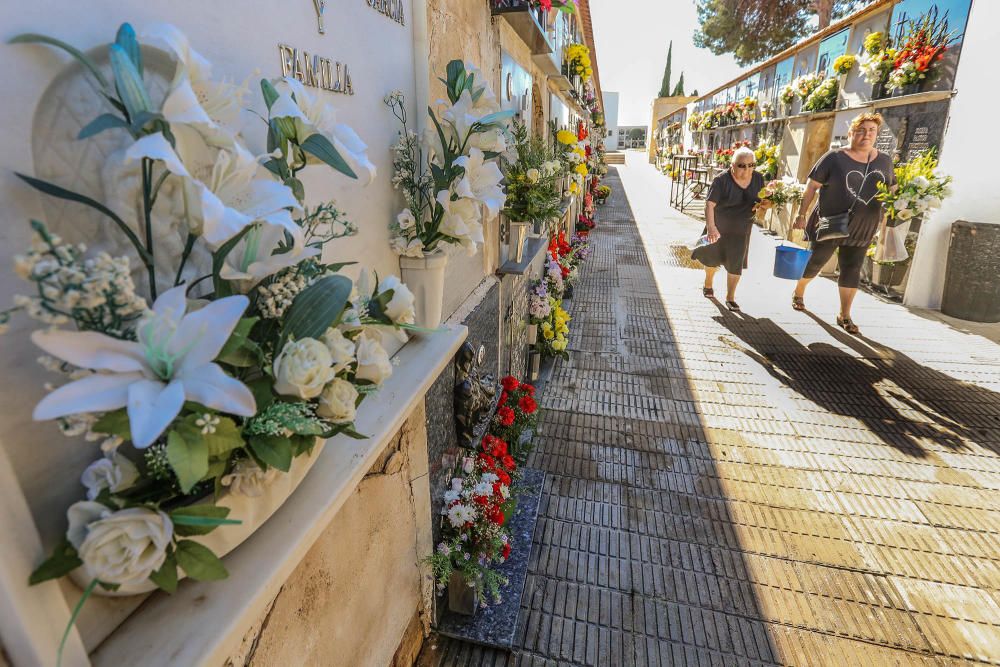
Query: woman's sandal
(798, 303)
(847, 325)
(733, 306)
(707, 292)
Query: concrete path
(761, 488)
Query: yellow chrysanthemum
(548, 334)
(581, 169)
(566, 137)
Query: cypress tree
(665, 84)
(679, 90)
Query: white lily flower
(481, 181)
(171, 363)
(226, 190)
(313, 116)
(461, 218)
(194, 100)
(253, 258)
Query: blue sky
(632, 37)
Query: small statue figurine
(474, 395)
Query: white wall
(611, 120)
(964, 156)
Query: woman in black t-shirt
(729, 214)
(844, 178)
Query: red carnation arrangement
(517, 412)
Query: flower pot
(889, 275)
(532, 334)
(516, 235)
(463, 595)
(253, 511)
(535, 359)
(425, 278)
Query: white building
(611, 120)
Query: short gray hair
(743, 150)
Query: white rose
(901, 204)
(341, 348)
(337, 402)
(532, 175)
(405, 219)
(122, 547)
(415, 248)
(400, 306)
(248, 479)
(303, 368)
(373, 360)
(115, 473)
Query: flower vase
(425, 277)
(516, 235)
(463, 595)
(889, 275)
(535, 362)
(532, 334)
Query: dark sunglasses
(746, 166)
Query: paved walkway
(756, 489)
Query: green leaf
(188, 458)
(444, 140)
(62, 193)
(126, 39)
(166, 576)
(129, 83)
(198, 562)
(262, 394)
(114, 423)
(33, 38)
(106, 121)
(298, 189)
(316, 308)
(273, 450)
(494, 118)
(226, 438)
(303, 444)
(63, 560)
(269, 91)
(277, 167)
(200, 519)
(351, 433)
(143, 118)
(219, 258)
(239, 340)
(455, 69)
(320, 147)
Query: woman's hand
(713, 233)
(800, 222)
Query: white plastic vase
(425, 278)
(515, 240)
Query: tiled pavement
(757, 489)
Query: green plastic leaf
(166, 576)
(262, 394)
(199, 562)
(106, 121)
(126, 39)
(200, 519)
(129, 83)
(225, 439)
(239, 342)
(63, 560)
(316, 308)
(62, 193)
(188, 458)
(33, 38)
(320, 147)
(219, 258)
(269, 91)
(495, 118)
(273, 450)
(143, 118)
(114, 423)
(297, 187)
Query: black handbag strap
(864, 179)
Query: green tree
(665, 84)
(679, 90)
(753, 30)
(695, 92)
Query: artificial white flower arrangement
(447, 174)
(214, 394)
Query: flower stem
(147, 209)
(188, 246)
(72, 619)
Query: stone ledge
(203, 622)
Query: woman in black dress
(729, 213)
(846, 179)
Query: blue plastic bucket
(790, 261)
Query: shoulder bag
(836, 226)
